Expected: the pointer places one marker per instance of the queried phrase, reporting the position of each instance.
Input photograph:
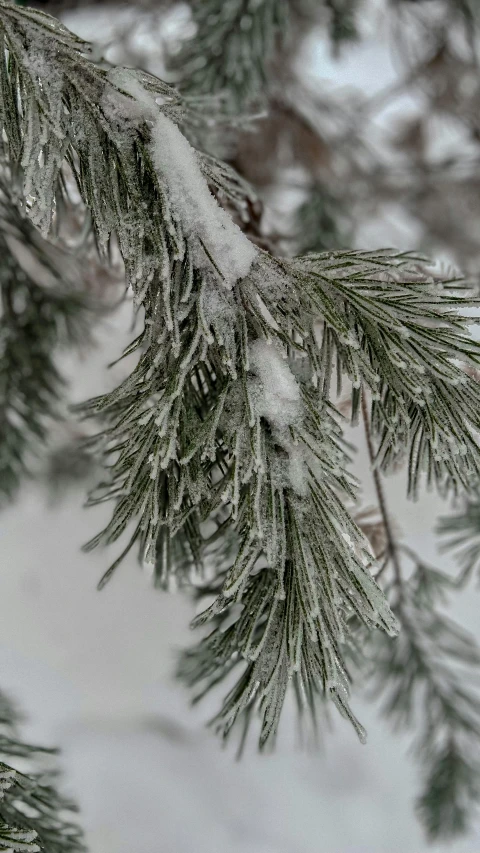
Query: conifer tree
(224, 452)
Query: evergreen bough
(42, 309)
(33, 815)
(224, 451)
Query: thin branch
(392, 546)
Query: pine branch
(235, 44)
(232, 47)
(41, 310)
(462, 535)
(224, 430)
(319, 223)
(421, 678)
(33, 815)
(426, 679)
(293, 623)
(397, 329)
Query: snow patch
(280, 403)
(220, 244)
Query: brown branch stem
(392, 546)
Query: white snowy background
(93, 670)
